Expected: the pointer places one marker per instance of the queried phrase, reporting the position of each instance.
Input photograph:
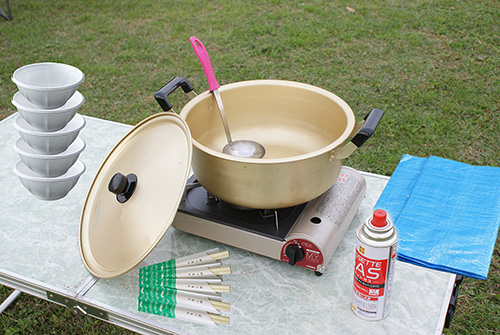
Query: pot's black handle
(371, 122)
(161, 96)
(363, 131)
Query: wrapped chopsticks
(209, 258)
(181, 313)
(211, 271)
(169, 296)
(187, 288)
(207, 286)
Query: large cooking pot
(303, 128)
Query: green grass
(30, 315)
(431, 65)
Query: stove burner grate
(272, 223)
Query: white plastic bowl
(49, 165)
(48, 119)
(53, 142)
(49, 188)
(47, 85)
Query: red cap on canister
(379, 218)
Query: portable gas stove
(306, 235)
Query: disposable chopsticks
(188, 288)
(220, 288)
(219, 255)
(219, 319)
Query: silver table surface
(39, 253)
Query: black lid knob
(123, 186)
(118, 183)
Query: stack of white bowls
(49, 125)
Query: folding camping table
(39, 255)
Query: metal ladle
(239, 148)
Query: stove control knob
(294, 253)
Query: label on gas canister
(373, 277)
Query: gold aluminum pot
(303, 128)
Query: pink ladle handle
(202, 54)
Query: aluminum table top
(39, 255)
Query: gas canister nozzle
(379, 218)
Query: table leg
(2, 13)
(10, 299)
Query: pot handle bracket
(161, 95)
(361, 133)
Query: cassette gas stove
(306, 235)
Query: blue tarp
(447, 213)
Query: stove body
(306, 235)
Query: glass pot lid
(135, 195)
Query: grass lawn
(433, 66)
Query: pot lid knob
(123, 186)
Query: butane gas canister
(374, 267)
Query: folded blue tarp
(447, 213)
